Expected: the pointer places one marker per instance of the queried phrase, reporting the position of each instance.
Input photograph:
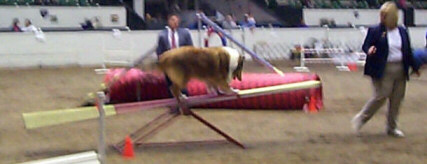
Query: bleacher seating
(337, 4)
(50, 3)
(8, 2)
(239, 7)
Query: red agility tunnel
(135, 85)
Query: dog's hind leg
(182, 100)
(176, 92)
(178, 80)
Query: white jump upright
(334, 55)
(101, 141)
(90, 157)
(302, 67)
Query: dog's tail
(162, 63)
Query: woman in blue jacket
(389, 57)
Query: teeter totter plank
(90, 157)
(54, 117)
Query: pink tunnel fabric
(136, 85)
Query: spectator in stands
(87, 25)
(302, 24)
(248, 22)
(38, 2)
(29, 27)
(332, 23)
(150, 21)
(372, 3)
(251, 19)
(15, 25)
(401, 4)
(160, 18)
(173, 37)
(96, 23)
(195, 24)
(389, 56)
(306, 3)
(229, 22)
(149, 18)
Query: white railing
(337, 56)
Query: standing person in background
(173, 36)
(389, 57)
(29, 27)
(170, 38)
(15, 25)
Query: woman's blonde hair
(389, 14)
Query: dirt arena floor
(272, 136)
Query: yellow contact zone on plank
(283, 87)
(47, 118)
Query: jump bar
(250, 52)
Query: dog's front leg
(183, 105)
(233, 91)
(211, 90)
(227, 90)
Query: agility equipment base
(162, 121)
(38, 119)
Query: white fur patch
(234, 61)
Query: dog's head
(237, 73)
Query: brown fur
(210, 65)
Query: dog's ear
(237, 73)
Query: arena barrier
(119, 58)
(272, 51)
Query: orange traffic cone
(312, 105)
(352, 66)
(128, 149)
